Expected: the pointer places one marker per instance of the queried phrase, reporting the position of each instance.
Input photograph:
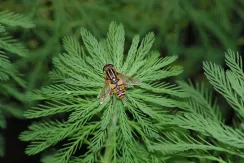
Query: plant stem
(111, 140)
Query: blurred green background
(195, 30)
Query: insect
(115, 82)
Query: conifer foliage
(7, 70)
(201, 115)
(211, 138)
(117, 130)
(228, 83)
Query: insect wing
(129, 81)
(105, 92)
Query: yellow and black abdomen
(118, 88)
(114, 80)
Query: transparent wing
(129, 81)
(105, 92)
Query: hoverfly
(115, 82)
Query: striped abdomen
(118, 88)
(114, 80)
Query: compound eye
(104, 68)
(110, 65)
(107, 66)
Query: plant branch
(111, 140)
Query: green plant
(122, 131)
(8, 73)
(183, 27)
(197, 131)
(228, 83)
(202, 116)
